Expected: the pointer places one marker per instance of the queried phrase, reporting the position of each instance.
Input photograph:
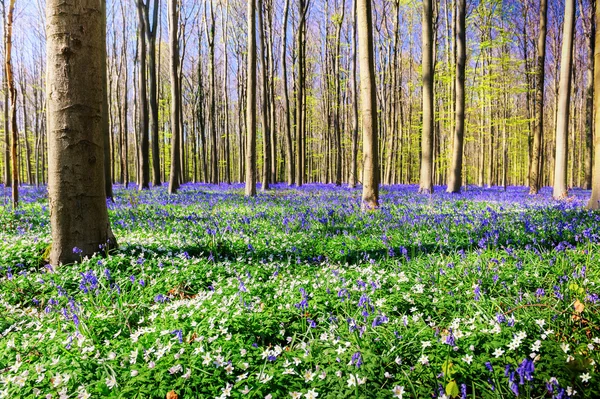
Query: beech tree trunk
(594, 202)
(536, 149)
(289, 150)
(76, 50)
(353, 178)
(12, 90)
(455, 180)
(251, 103)
(175, 97)
(7, 148)
(589, 97)
(368, 92)
(144, 140)
(564, 96)
(266, 131)
(108, 192)
(426, 182)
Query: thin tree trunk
(175, 97)
(266, 172)
(7, 148)
(370, 194)
(536, 164)
(562, 123)
(12, 90)
(426, 183)
(26, 128)
(251, 103)
(353, 178)
(455, 180)
(144, 157)
(594, 202)
(589, 96)
(210, 35)
(151, 31)
(286, 100)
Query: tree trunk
(426, 183)
(594, 202)
(289, 150)
(338, 102)
(76, 50)
(210, 35)
(455, 180)
(150, 31)
(353, 178)
(266, 172)
(300, 96)
(26, 127)
(536, 164)
(105, 118)
(370, 194)
(12, 90)
(144, 156)
(562, 123)
(251, 103)
(589, 96)
(7, 146)
(175, 97)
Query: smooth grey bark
(12, 90)
(536, 149)
(144, 139)
(7, 148)
(108, 191)
(455, 180)
(594, 202)
(589, 96)
(266, 130)
(210, 37)
(560, 190)
(76, 49)
(368, 92)
(286, 100)
(175, 97)
(426, 182)
(353, 178)
(251, 104)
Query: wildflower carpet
(298, 294)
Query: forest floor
(297, 293)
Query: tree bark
(150, 31)
(175, 97)
(289, 150)
(535, 164)
(210, 36)
(12, 90)
(7, 148)
(353, 178)
(564, 95)
(76, 50)
(455, 180)
(368, 92)
(144, 156)
(251, 104)
(106, 131)
(594, 202)
(589, 97)
(266, 131)
(426, 183)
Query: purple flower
(357, 359)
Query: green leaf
(452, 389)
